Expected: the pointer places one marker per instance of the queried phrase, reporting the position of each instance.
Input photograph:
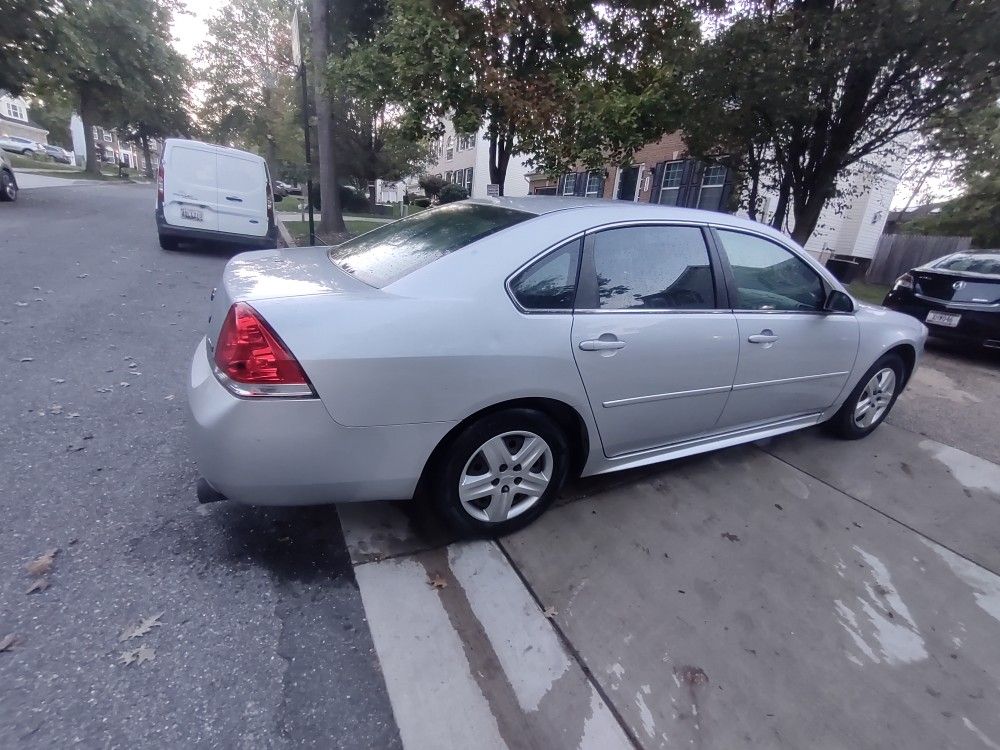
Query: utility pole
(297, 59)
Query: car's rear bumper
(275, 451)
(266, 242)
(975, 327)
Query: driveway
(801, 592)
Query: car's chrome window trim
(536, 259)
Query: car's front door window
(770, 277)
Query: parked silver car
(484, 351)
(17, 145)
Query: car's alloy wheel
(499, 473)
(507, 475)
(874, 400)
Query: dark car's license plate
(192, 214)
(949, 320)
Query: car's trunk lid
(269, 274)
(957, 287)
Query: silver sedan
(482, 352)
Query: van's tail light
(159, 183)
(270, 203)
(251, 360)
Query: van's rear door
(190, 195)
(242, 194)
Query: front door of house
(628, 181)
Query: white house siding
(477, 157)
(15, 119)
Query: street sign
(296, 42)
(493, 190)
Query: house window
(673, 173)
(448, 176)
(449, 151)
(568, 184)
(595, 184)
(712, 183)
(466, 141)
(16, 111)
(467, 181)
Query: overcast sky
(189, 25)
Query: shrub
(352, 200)
(431, 184)
(451, 193)
(420, 202)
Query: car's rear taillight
(904, 282)
(159, 184)
(251, 360)
(270, 204)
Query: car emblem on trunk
(958, 285)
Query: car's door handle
(600, 345)
(234, 199)
(764, 337)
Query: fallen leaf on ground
(21, 304)
(39, 584)
(145, 625)
(43, 563)
(7, 642)
(436, 582)
(27, 359)
(75, 448)
(55, 409)
(550, 612)
(58, 380)
(169, 398)
(137, 655)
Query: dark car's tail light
(904, 282)
(251, 360)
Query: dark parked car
(8, 183)
(957, 296)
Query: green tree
(54, 113)
(560, 80)
(24, 32)
(799, 91)
(246, 67)
(106, 55)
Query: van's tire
(8, 187)
(482, 456)
(878, 388)
(168, 243)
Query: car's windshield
(390, 252)
(972, 263)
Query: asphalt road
(262, 641)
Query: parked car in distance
(957, 296)
(206, 192)
(17, 145)
(279, 189)
(8, 182)
(58, 153)
(487, 350)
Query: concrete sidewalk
(802, 593)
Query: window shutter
(687, 195)
(657, 183)
(727, 191)
(559, 184)
(580, 188)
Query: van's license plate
(943, 319)
(192, 214)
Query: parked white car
(17, 145)
(206, 192)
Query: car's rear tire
(478, 483)
(8, 186)
(27, 152)
(168, 243)
(871, 400)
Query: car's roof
(210, 147)
(629, 210)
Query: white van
(213, 193)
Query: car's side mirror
(838, 301)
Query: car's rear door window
(648, 268)
(392, 251)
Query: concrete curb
(286, 236)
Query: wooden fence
(898, 253)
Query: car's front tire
(8, 186)
(871, 400)
(500, 473)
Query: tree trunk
(807, 212)
(500, 147)
(87, 116)
(146, 156)
(331, 215)
(781, 209)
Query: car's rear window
(392, 251)
(972, 263)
